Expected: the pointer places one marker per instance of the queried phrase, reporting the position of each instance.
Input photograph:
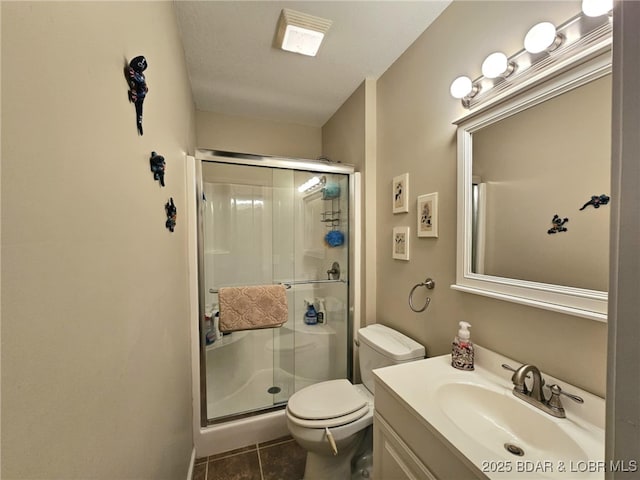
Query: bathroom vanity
(435, 422)
(392, 454)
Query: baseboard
(191, 464)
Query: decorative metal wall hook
(596, 201)
(172, 213)
(429, 284)
(157, 167)
(137, 86)
(558, 224)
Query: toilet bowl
(330, 419)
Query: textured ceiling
(235, 69)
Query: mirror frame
(575, 71)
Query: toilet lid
(327, 400)
(328, 422)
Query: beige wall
(95, 334)
(344, 139)
(415, 135)
(343, 136)
(230, 133)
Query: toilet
(332, 420)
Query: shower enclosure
(265, 220)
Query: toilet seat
(327, 404)
(330, 422)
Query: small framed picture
(428, 215)
(401, 193)
(401, 243)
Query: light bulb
(309, 184)
(461, 87)
(595, 8)
(540, 37)
(495, 65)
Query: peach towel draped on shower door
(253, 307)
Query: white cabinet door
(392, 458)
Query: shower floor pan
(254, 394)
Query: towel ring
(429, 284)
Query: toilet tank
(382, 346)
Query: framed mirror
(529, 230)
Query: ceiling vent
(300, 33)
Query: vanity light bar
(545, 46)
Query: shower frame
(353, 308)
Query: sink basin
(497, 418)
(477, 417)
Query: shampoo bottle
(209, 334)
(320, 310)
(216, 324)
(310, 316)
(462, 349)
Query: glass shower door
(261, 227)
(320, 281)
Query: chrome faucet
(520, 387)
(553, 405)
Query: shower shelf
(226, 340)
(331, 217)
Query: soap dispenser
(462, 349)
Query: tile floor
(280, 459)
